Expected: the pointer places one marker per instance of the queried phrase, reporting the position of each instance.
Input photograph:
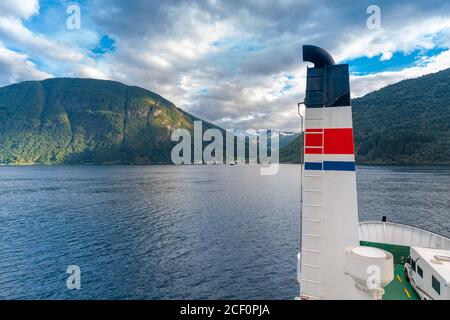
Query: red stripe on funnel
(336, 141)
(313, 151)
(313, 140)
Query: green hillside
(407, 122)
(291, 153)
(86, 121)
(96, 121)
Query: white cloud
(421, 34)
(181, 58)
(16, 67)
(62, 56)
(12, 29)
(85, 71)
(19, 8)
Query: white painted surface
(377, 263)
(369, 252)
(329, 220)
(335, 117)
(329, 157)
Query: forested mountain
(86, 121)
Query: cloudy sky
(236, 63)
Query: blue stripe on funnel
(313, 166)
(331, 166)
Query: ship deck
(399, 288)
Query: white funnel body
(329, 213)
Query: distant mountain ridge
(404, 123)
(70, 120)
(87, 121)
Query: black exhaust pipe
(317, 55)
(327, 83)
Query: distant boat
(340, 257)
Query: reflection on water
(166, 232)
(418, 196)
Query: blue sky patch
(399, 61)
(105, 46)
(287, 87)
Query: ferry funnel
(329, 207)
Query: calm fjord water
(187, 232)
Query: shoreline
(171, 164)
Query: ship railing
(401, 234)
